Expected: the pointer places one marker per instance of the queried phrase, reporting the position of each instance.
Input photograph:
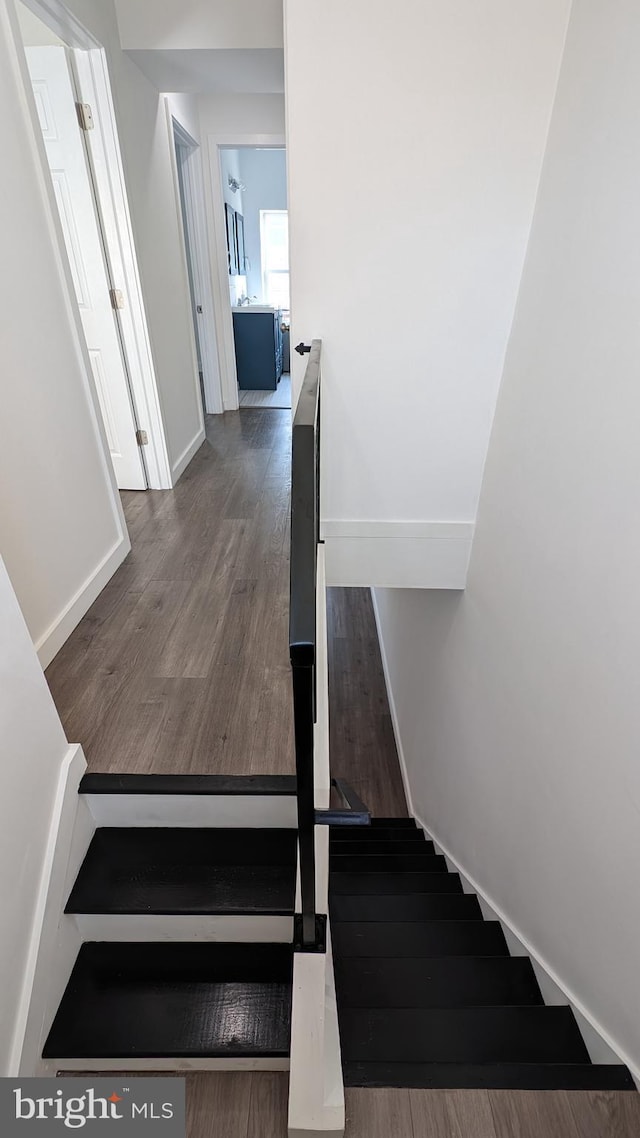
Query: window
(274, 251)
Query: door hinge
(142, 439)
(116, 297)
(85, 116)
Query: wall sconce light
(235, 185)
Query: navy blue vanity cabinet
(258, 340)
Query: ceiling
(252, 71)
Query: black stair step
(222, 784)
(418, 938)
(364, 834)
(159, 1000)
(437, 982)
(497, 1076)
(406, 907)
(378, 884)
(387, 862)
(178, 871)
(394, 822)
(369, 848)
(462, 1035)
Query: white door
(66, 155)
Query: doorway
(254, 191)
(81, 153)
(190, 192)
(247, 174)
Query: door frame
(218, 253)
(195, 234)
(91, 77)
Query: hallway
(182, 663)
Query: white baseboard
(397, 554)
(181, 463)
(55, 941)
(601, 1047)
(51, 641)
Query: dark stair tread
(462, 1035)
(157, 1000)
(374, 883)
(418, 938)
(406, 907)
(435, 982)
(180, 870)
(387, 862)
(368, 848)
(271, 784)
(364, 834)
(497, 1076)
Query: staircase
(428, 995)
(186, 957)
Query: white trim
(57, 16)
(51, 954)
(51, 641)
(186, 291)
(178, 1063)
(194, 810)
(182, 462)
(316, 1090)
(196, 236)
(322, 771)
(601, 1046)
(397, 554)
(106, 162)
(218, 255)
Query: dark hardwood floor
(182, 663)
(361, 739)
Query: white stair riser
(126, 1064)
(193, 810)
(164, 927)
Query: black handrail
(305, 523)
(310, 927)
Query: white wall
(235, 115)
(517, 702)
(180, 24)
(34, 750)
(62, 532)
(430, 119)
(264, 173)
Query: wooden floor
(361, 739)
(182, 665)
(255, 1106)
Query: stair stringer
(55, 940)
(601, 1048)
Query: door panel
(55, 102)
